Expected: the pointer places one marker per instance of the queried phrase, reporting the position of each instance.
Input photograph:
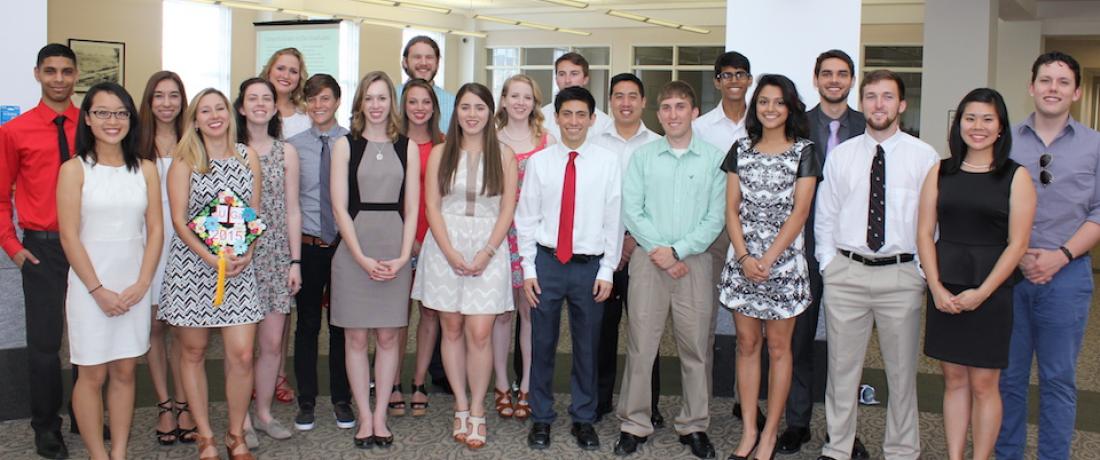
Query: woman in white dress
(108, 200)
(464, 271)
(286, 70)
(161, 126)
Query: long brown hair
(433, 122)
(297, 95)
(359, 119)
(535, 118)
(493, 174)
(147, 141)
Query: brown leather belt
(314, 241)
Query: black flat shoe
(539, 436)
(628, 443)
(365, 443)
(699, 443)
(587, 439)
(383, 441)
(792, 439)
(50, 444)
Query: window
(658, 65)
(538, 63)
(196, 44)
(908, 62)
(440, 39)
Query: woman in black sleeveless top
(983, 204)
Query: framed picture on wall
(99, 61)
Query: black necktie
(876, 207)
(62, 141)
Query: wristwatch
(674, 254)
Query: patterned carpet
(428, 437)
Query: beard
(842, 98)
(884, 125)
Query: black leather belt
(877, 261)
(41, 235)
(578, 258)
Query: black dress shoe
(657, 420)
(760, 418)
(587, 439)
(628, 443)
(825, 457)
(50, 444)
(859, 452)
(364, 443)
(699, 443)
(792, 439)
(539, 436)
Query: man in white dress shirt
(571, 70)
(627, 102)
(570, 237)
(721, 127)
(865, 227)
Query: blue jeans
(1048, 322)
(565, 282)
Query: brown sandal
(504, 403)
(521, 409)
(204, 442)
(232, 442)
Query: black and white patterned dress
(272, 253)
(767, 199)
(187, 296)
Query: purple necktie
(834, 139)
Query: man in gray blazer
(832, 122)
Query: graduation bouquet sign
(226, 225)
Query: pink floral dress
(513, 245)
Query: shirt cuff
(605, 274)
(528, 270)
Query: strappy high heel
(184, 435)
(503, 403)
(232, 442)
(474, 439)
(521, 409)
(459, 434)
(203, 443)
(167, 438)
(419, 409)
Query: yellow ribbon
(219, 293)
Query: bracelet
(488, 249)
(743, 256)
(1069, 255)
(295, 261)
(95, 288)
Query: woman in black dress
(983, 204)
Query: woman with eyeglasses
(982, 204)
(108, 201)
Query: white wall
(777, 41)
(24, 26)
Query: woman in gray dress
(375, 185)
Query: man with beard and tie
(831, 122)
(866, 227)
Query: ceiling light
(656, 22)
(498, 20)
(412, 5)
(574, 32)
(379, 2)
(571, 3)
(625, 15)
(534, 25)
(530, 25)
(465, 33)
(247, 6)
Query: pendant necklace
(378, 155)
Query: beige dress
(356, 300)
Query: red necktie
(568, 202)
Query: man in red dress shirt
(32, 147)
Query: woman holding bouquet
(375, 194)
(208, 161)
(108, 200)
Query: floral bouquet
(226, 224)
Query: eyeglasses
(1045, 177)
(107, 114)
(736, 76)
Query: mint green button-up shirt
(675, 201)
